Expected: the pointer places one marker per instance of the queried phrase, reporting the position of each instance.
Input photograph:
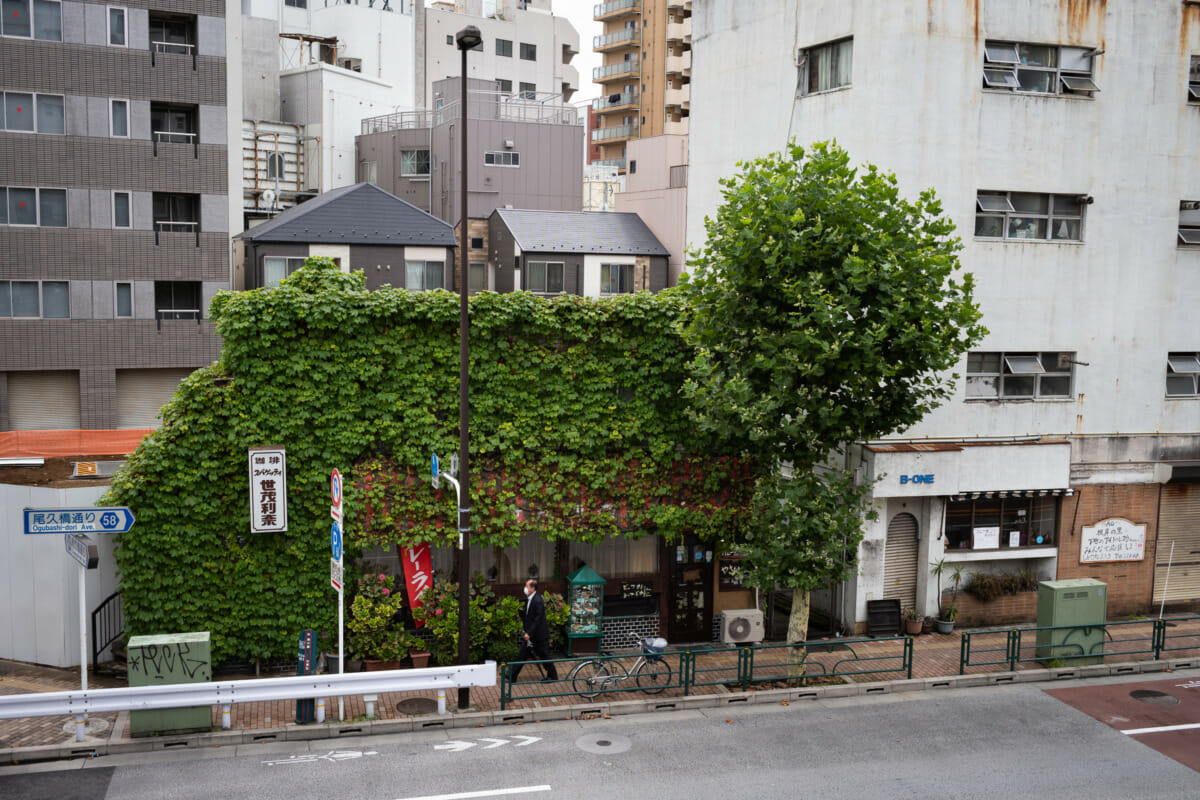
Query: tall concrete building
(1060, 137)
(115, 215)
(646, 75)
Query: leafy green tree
(826, 309)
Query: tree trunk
(797, 632)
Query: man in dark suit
(537, 634)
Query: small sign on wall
(1113, 539)
(268, 490)
(985, 538)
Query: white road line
(1164, 729)
(484, 793)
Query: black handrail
(108, 624)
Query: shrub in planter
(375, 630)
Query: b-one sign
(268, 490)
(1112, 539)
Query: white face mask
(528, 591)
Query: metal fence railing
(1074, 645)
(687, 671)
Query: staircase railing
(108, 624)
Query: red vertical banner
(418, 573)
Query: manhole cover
(417, 705)
(1151, 696)
(603, 743)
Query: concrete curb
(117, 742)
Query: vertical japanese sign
(418, 573)
(268, 490)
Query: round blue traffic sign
(109, 520)
(335, 541)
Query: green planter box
(169, 659)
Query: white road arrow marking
(498, 743)
(454, 746)
(528, 740)
(312, 758)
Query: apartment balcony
(608, 42)
(679, 128)
(680, 65)
(615, 133)
(679, 32)
(616, 9)
(617, 71)
(678, 98)
(616, 102)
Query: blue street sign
(433, 464)
(335, 540)
(111, 519)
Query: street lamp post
(468, 38)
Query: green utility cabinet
(168, 659)
(1079, 602)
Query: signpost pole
(341, 655)
(335, 511)
(83, 627)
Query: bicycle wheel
(589, 678)
(653, 676)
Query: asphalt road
(1007, 742)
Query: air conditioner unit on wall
(743, 625)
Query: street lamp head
(468, 38)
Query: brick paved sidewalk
(934, 656)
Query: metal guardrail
(1072, 644)
(226, 693)
(696, 668)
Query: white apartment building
(527, 48)
(1062, 140)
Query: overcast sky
(580, 14)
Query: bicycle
(651, 672)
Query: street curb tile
(1127, 668)
(877, 687)
(1002, 678)
(940, 683)
(1061, 673)
(264, 735)
(467, 719)
(1153, 666)
(1033, 676)
(546, 714)
(129, 746)
(54, 752)
(6, 756)
(959, 681)
(299, 733)
(512, 715)
(844, 690)
(1184, 663)
(908, 685)
(597, 710)
(176, 742)
(1095, 671)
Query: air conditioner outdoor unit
(743, 625)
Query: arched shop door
(900, 561)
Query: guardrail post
(1159, 637)
(964, 652)
(79, 726)
(225, 721)
(1014, 649)
(505, 688)
(746, 667)
(687, 668)
(908, 655)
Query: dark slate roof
(581, 232)
(358, 214)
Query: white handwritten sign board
(268, 490)
(985, 538)
(1112, 539)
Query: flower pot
(944, 625)
(912, 627)
(927, 625)
(419, 659)
(378, 665)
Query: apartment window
(502, 158)
(633, 166)
(124, 299)
(296, 3)
(172, 33)
(30, 113)
(1189, 222)
(504, 86)
(29, 206)
(122, 215)
(414, 162)
(528, 91)
(117, 29)
(275, 166)
(119, 117)
(476, 242)
(528, 51)
(1193, 95)
(1022, 519)
(367, 172)
(544, 277)
(421, 276)
(826, 66)
(477, 280)
(176, 213)
(616, 278)
(177, 300)
(172, 123)
(1030, 216)
(1019, 376)
(41, 19)
(276, 268)
(504, 47)
(34, 299)
(1183, 375)
(1038, 68)
(449, 38)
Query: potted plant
(375, 635)
(946, 617)
(912, 621)
(948, 612)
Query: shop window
(1183, 375)
(534, 556)
(827, 66)
(1030, 216)
(618, 557)
(1002, 523)
(1019, 376)
(1038, 68)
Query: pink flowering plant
(376, 628)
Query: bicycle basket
(654, 646)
